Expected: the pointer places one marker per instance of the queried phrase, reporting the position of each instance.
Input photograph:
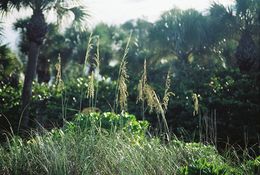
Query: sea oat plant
(59, 83)
(147, 94)
(60, 87)
(91, 85)
(167, 92)
(89, 48)
(195, 104)
(121, 89)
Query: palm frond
(8, 5)
(65, 10)
(80, 13)
(20, 24)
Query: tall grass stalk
(84, 69)
(195, 104)
(141, 89)
(167, 92)
(61, 88)
(97, 60)
(121, 92)
(147, 94)
(91, 95)
(91, 89)
(208, 127)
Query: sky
(117, 12)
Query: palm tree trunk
(36, 31)
(27, 87)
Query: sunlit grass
(97, 151)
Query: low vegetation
(107, 143)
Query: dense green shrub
(51, 104)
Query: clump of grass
(93, 151)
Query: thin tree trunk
(27, 87)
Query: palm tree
(181, 33)
(221, 24)
(248, 17)
(36, 32)
(54, 45)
